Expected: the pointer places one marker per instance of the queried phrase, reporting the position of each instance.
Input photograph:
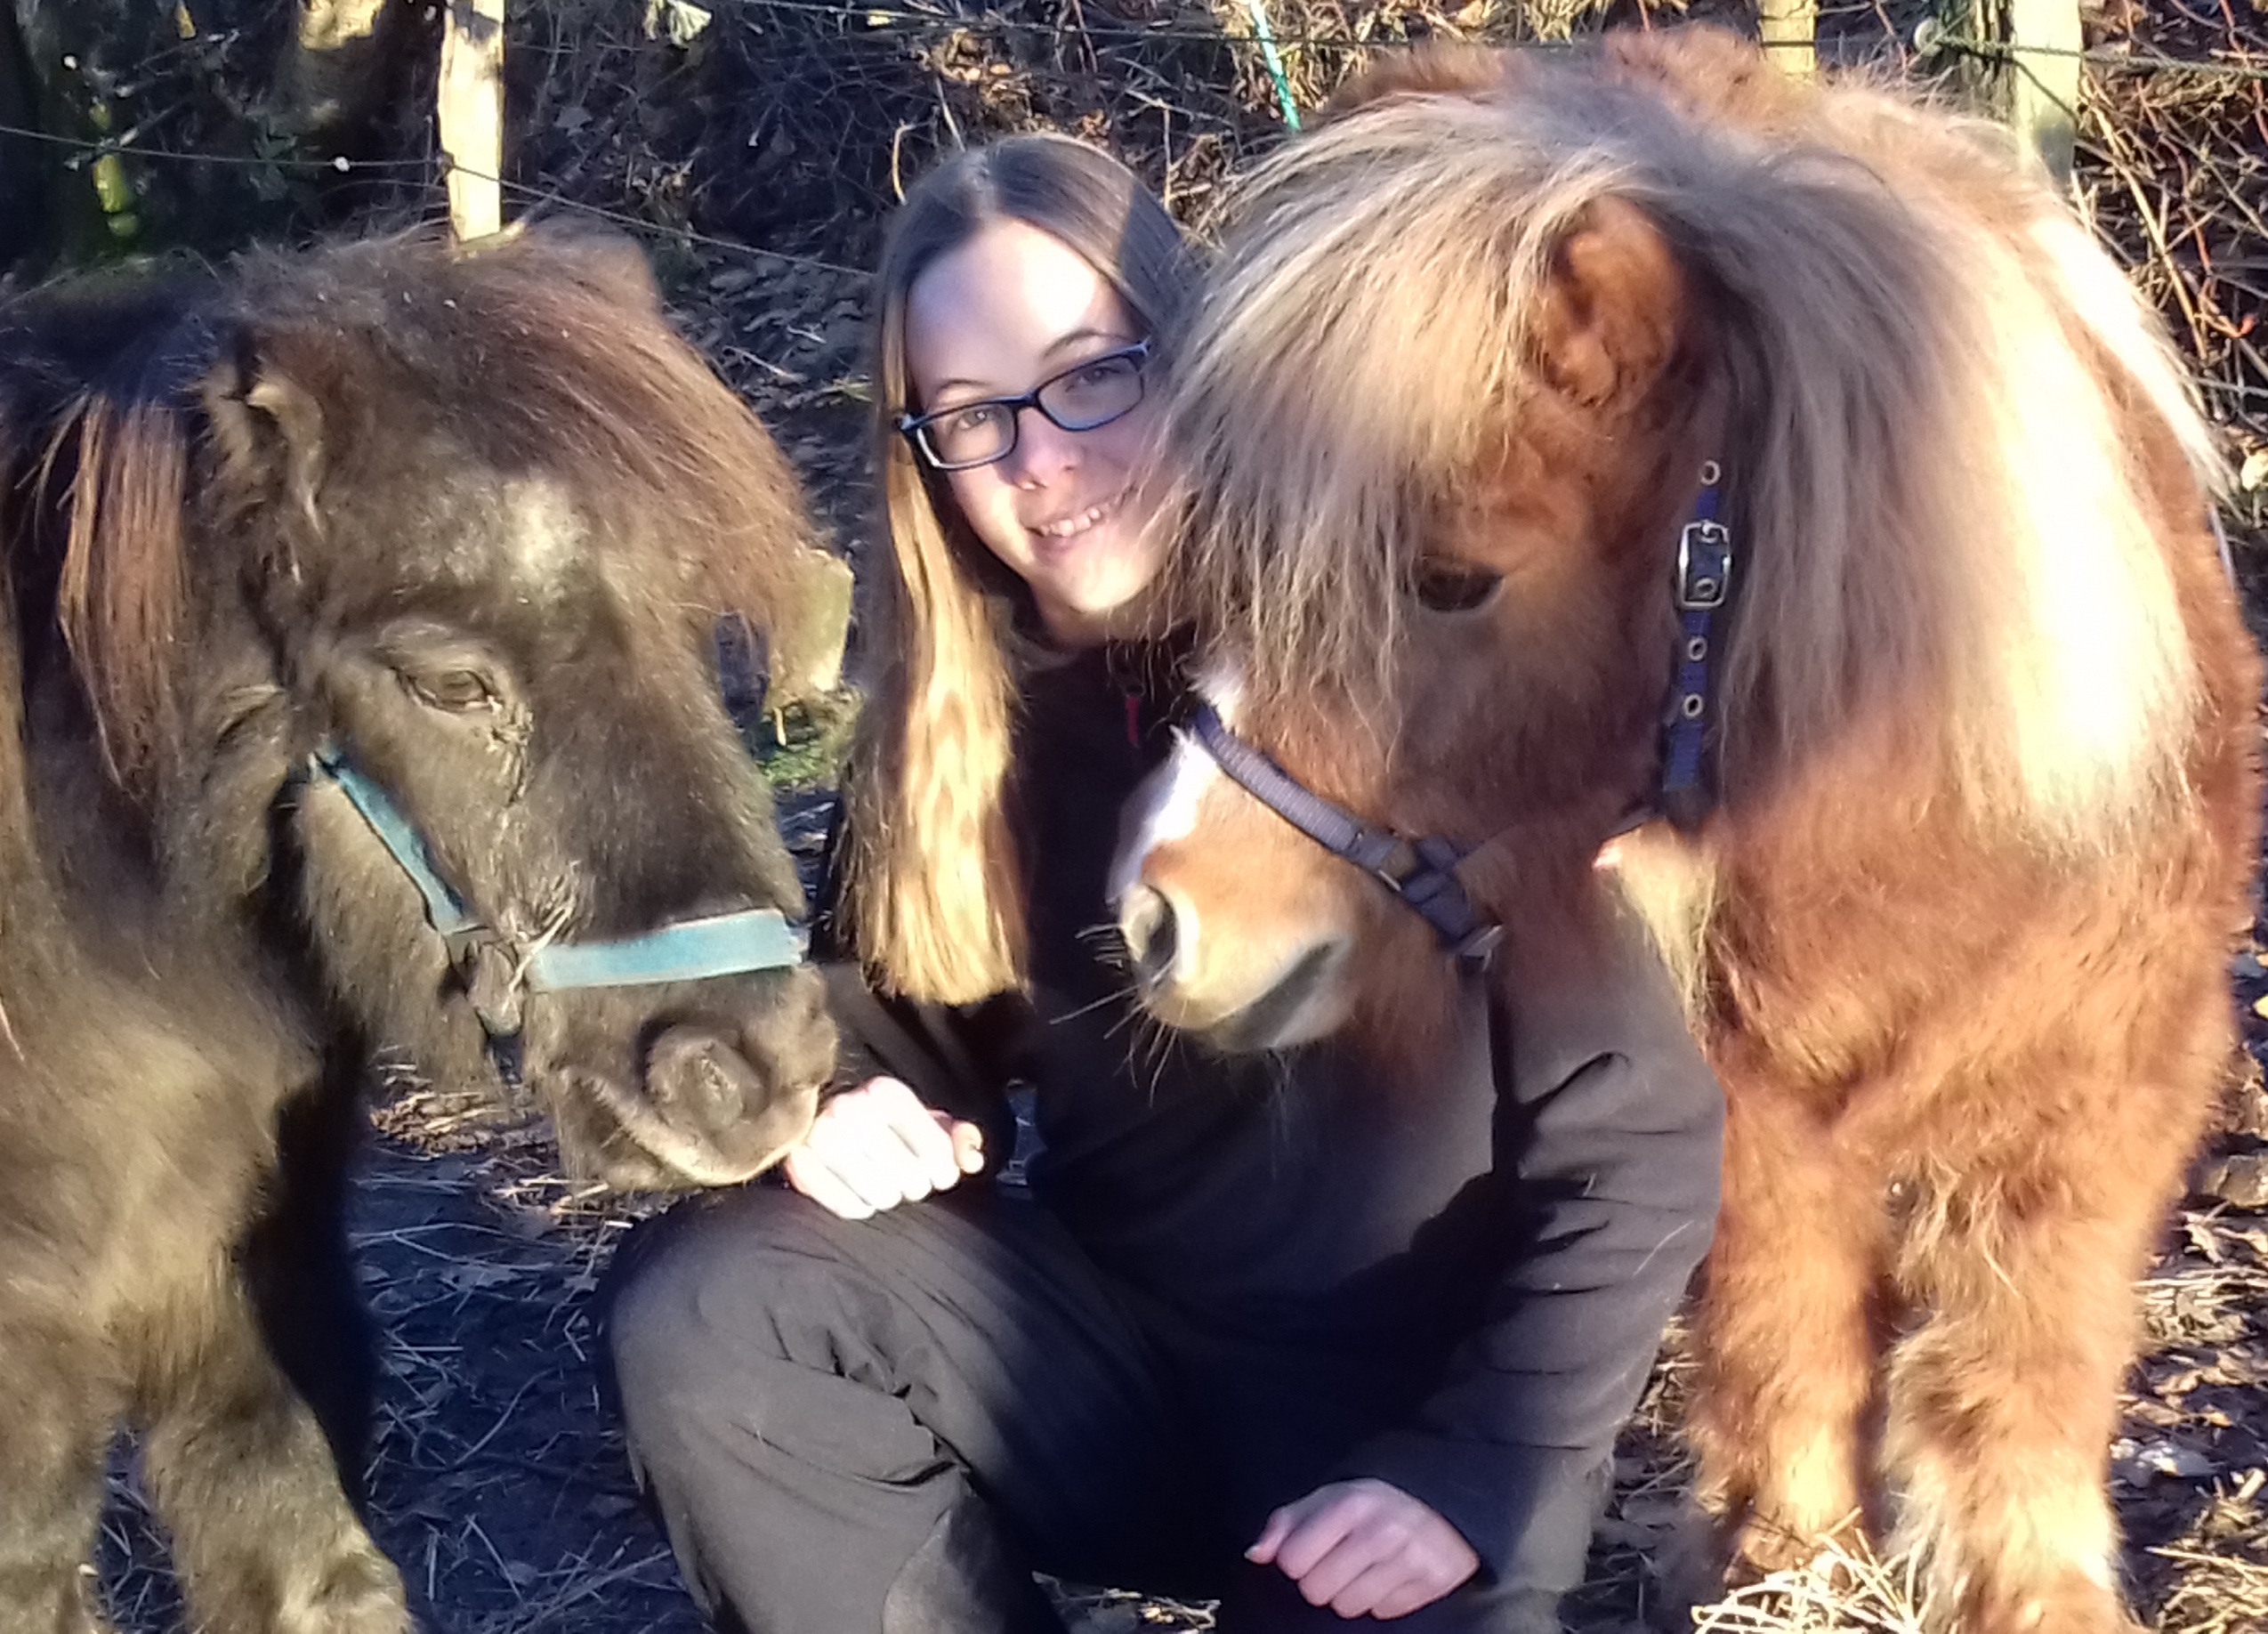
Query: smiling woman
(1330, 1336)
(1012, 282)
(1050, 496)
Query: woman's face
(1009, 309)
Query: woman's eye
(1448, 586)
(974, 420)
(1103, 375)
(454, 690)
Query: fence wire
(783, 133)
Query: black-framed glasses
(1094, 392)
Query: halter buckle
(1476, 952)
(1703, 566)
(490, 970)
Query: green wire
(1266, 35)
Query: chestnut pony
(1507, 366)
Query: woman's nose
(1044, 450)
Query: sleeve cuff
(1526, 1512)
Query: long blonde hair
(934, 886)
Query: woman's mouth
(1071, 526)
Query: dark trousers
(884, 1426)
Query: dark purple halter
(1422, 870)
(1704, 582)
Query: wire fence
(781, 132)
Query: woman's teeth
(1070, 527)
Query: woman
(1326, 1340)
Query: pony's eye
(1441, 585)
(456, 690)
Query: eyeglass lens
(1079, 400)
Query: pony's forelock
(1942, 512)
(1318, 406)
(120, 589)
(603, 393)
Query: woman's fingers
(1365, 1548)
(1271, 1537)
(898, 1114)
(1366, 1593)
(876, 1146)
(968, 1144)
(1318, 1523)
(809, 1174)
(1363, 1551)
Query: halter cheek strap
(686, 950)
(1703, 584)
(1422, 871)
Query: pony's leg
(2002, 1400)
(1786, 1343)
(263, 1536)
(300, 1273)
(58, 1405)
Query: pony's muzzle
(704, 1110)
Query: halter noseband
(686, 950)
(1423, 870)
(1420, 871)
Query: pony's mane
(1929, 365)
(547, 352)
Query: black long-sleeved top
(1495, 1243)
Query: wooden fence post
(2043, 76)
(471, 116)
(1789, 30)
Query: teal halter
(688, 951)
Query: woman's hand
(1365, 1549)
(875, 1146)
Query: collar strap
(1420, 871)
(689, 951)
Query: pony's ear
(1446, 68)
(811, 632)
(268, 427)
(612, 265)
(1606, 323)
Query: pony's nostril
(697, 1078)
(1146, 921)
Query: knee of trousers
(693, 1290)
